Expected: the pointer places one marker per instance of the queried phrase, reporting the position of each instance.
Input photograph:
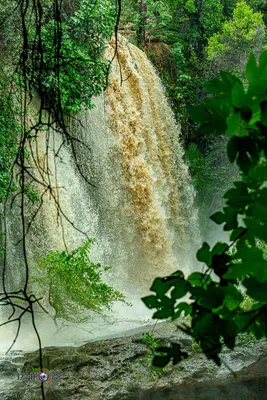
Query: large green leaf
(215, 127)
(180, 289)
(238, 95)
(206, 324)
(151, 301)
(217, 109)
(182, 308)
(258, 210)
(237, 232)
(232, 148)
(255, 289)
(259, 173)
(262, 70)
(218, 217)
(252, 69)
(230, 218)
(204, 255)
(233, 123)
(198, 279)
(246, 114)
(256, 228)
(263, 106)
(162, 285)
(229, 80)
(232, 297)
(212, 298)
(219, 248)
(252, 264)
(215, 86)
(238, 197)
(164, 313)
(199, 114)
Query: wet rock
(120, 369)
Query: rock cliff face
(119, 369)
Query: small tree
(245, 33)
(73, 283)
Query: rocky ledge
(119, 369)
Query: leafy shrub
(73, 283)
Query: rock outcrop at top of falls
(119, 369)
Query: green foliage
(82, 34)
(83, 71)
(217, 308)
(198, 166)
(247, 303)
(195, 346)
(246, 340)
(158, 18)
(149, 340)
(73, 283)
(211, 17)
(244, 33)
(152, 344)
(186, 32)
(31, 193)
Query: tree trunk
(141, 33)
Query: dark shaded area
(254, 389)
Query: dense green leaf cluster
(243, 34)
(83, 69)
(215, 307)
(62, 54)
(73, 283)
(152, 344)
(82, 72)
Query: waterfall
(140, 204)
(160, 193)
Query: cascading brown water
(161, 197)
(141, 205)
